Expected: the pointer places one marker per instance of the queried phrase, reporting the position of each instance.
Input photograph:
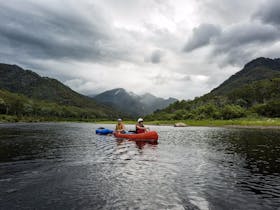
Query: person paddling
(120, 128)
(140, 128)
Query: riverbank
(32, 119)
(273, 123)
(227, 123)
(235, 123)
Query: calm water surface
(67, 166)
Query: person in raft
(120, 127)
(140, 128)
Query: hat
(119, 119)
(140, 120)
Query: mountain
(256, 70)
(121, 100)
(28, 83)
(132, 104)
(14, 79)
(253, 91)
(154, 103)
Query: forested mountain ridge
(45, 91)
(30, 84)
(253, 91)
(256, 70)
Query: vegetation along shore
(241, 122)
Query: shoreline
(253, 127)
(256, 123)
(276, 127)
(261, 127)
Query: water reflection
(65, 166)
(260, 148)
(141, 144)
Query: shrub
(207, 111)
(232, 111)
(271, 109)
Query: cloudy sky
(179, 48)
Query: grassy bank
(239, 122)
(15, 119)
(235, 122)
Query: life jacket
(119, 127)
(139, 130)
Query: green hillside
(30, 84)
(254, 91)
(256, 70)
(22, 107)
(24, 88)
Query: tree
(3, 106)
(271, 109)
(232, 111)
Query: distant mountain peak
(131, 103)
(118, 91)
(148, 95)
(133, 94)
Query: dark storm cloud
(45, 33)
(244, 34)
(238, 43)
(225, 12)
(240, 36)
(201, 36)
(156, 56)
(269, 12)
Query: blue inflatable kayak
(103, 131)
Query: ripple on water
(68, 166)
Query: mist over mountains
(131, 103)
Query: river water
(67, 166)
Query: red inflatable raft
(148, 136)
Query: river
(67, 166)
